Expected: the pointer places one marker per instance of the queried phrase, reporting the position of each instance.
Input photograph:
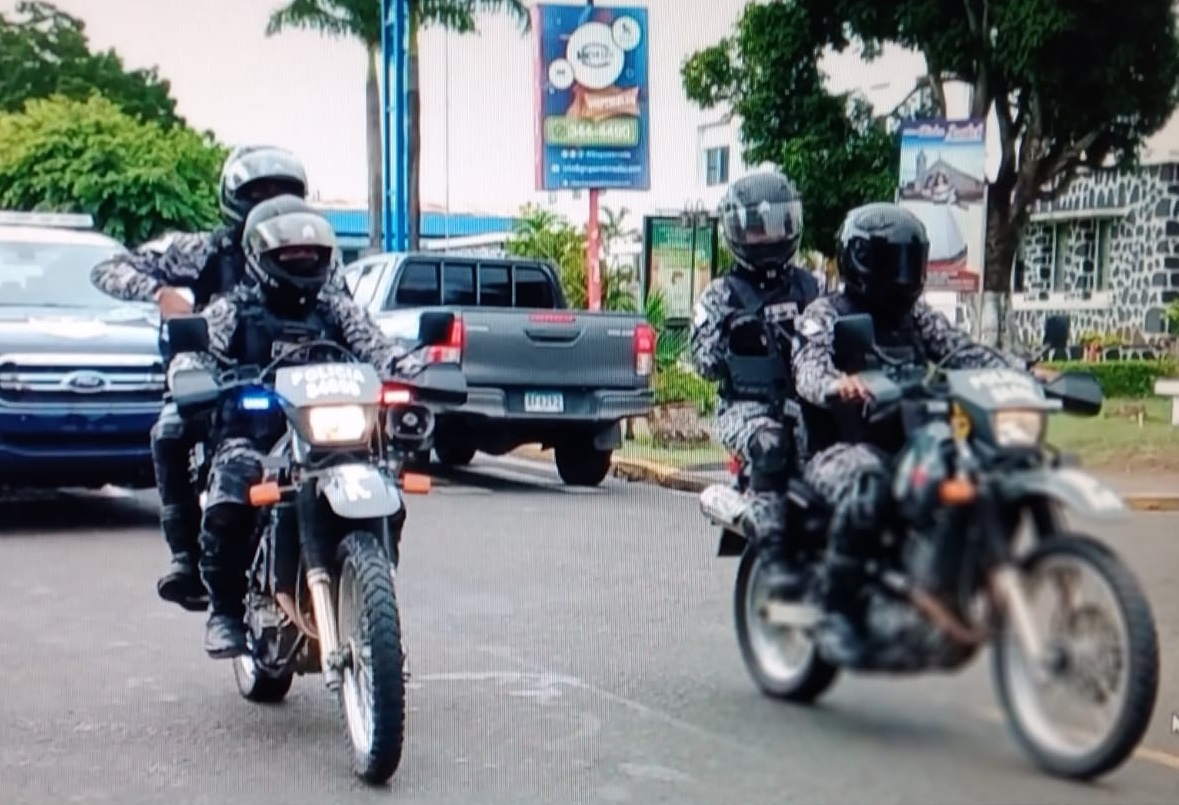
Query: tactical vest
(225, 268)
(899, 341)
(261, 337)
(766, 378)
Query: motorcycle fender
(1077, 490)
(360, 492)
(731, 544)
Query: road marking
(1156, 756)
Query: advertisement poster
(592, 121)
(944, 181)
(671, 270)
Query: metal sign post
(395, 124)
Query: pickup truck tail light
(395, 394)
(645, 338)
(452, 350)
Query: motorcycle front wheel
(784, 662)
(1101, 652)
(372, 689)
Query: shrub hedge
(1131, 378)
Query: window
(418, 286)
(1066, 257)
(495, 286)
(533, 288)
(716, 166)
(458, 283)
(363, 282)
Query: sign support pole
(395, 124)
(593, 243)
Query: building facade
(1106, 252)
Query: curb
(651, 472)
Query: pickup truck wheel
(454, 455)
(582, 464)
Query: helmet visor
(766, 222)
(897, 264)
(293, 229)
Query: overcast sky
(307, 93)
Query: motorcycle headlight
(1019, 428)
(339, 424)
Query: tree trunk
(373, 143)
(415, 142)
(1002, 243)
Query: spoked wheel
(1102, 661)
(783, 661)
(372, 691)
(256, 685)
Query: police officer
(883, 253)
(750, 312)
(288, 249)
(208, 264)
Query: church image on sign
(942, 182)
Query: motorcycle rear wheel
(372, 690)
(1049, 745)
(801, 680)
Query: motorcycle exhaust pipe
(320, 584)
(723, 506)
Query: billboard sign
(943, 180)
(592, 104)
(671, 267)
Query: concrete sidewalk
(1142, 492)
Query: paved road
(568, 647)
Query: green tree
(829, 144)
(543, 235)
(361, 20)
(137, 179)
(44, 51)
(1074, 86)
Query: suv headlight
(340, 424)
(1019, 428)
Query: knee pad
(866, 500)
(227, 518)
(169, 426)
(769, 458)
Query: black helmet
(761, 220)
(883, 257)
(254, 173)
(289, 249)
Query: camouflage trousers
(236, 465)
(853, 479)
(737, 422)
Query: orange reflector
(414, 484)
(265, 494)
(957, 491)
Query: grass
(1112, 441)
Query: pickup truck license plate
(544, 402)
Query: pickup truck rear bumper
(580, 407)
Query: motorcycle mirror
(434, 328)
(1056, 331)
(187, 334)
(1078, 392)
(855, 338)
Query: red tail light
(393, 394)
(452, 350)
(734, 465)
(645, 338)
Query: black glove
(748, 336)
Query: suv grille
(98, 380)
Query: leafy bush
(1132, 378)
(675, 384)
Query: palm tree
(361, 20)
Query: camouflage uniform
(236, 463)
(747, 427)
(210, 264)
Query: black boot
(766, 525)
(844, 635)
(225, 578)
(182, 583)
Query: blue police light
(256, 402)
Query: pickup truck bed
(536, 373)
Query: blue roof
(354, 224)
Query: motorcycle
(951, 574)
(321, 595)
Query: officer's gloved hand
(747, 336)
